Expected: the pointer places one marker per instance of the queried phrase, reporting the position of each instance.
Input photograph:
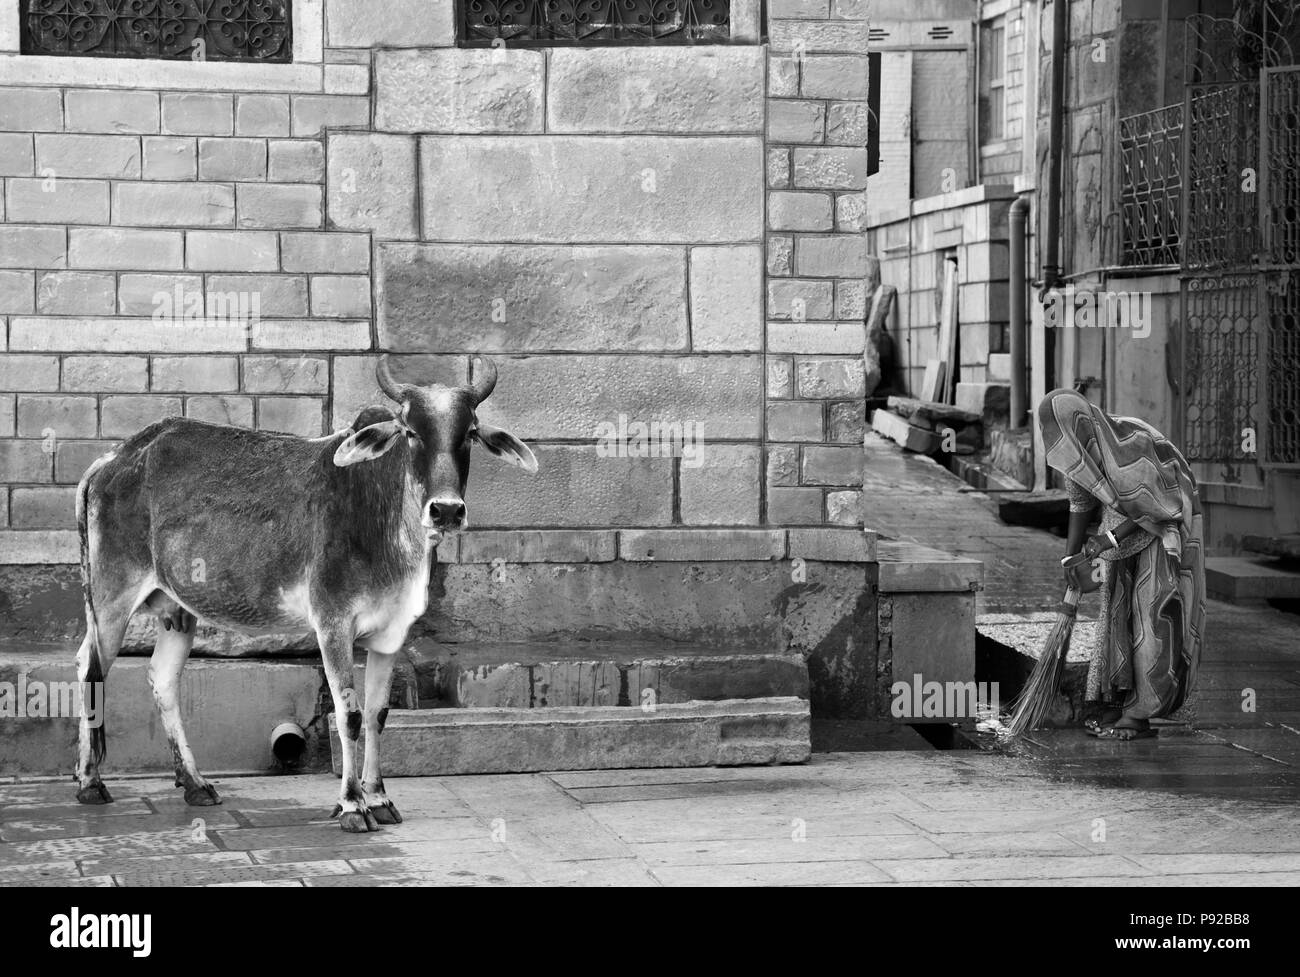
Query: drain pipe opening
(288, 743)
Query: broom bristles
(1034, 704)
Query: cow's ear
(370, 442)
(505, 445)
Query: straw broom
(1034, 704)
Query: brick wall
(238, 243)
(970, 225)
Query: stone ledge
(518, 546)
(912, 568)
(735, 732)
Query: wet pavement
(1185, 809)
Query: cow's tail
(94, 679)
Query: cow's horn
(391, 388)
(485, 380)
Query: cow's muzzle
(443, 516)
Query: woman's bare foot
(1128, 728)
(1104, 718)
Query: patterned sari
(1150, 642)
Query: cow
(268, 534)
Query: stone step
(1235, 578)
(732, 732)
(1284, 547)
(228, 706)
(551, 674)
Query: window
(178, 30)
(592, 22)
(992, 75)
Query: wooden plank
(948, 332)
(932, 382)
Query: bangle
(1110, 535)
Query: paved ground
(888, 818)
(915, 499)
(1211, 805)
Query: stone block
(833, 465)
(539, 546)
(124, 416)
(110, 110)
(66, 417)
(723, 489)
(464, 90)
(328, 252)
(280, 205)
(231, 251)
(124, 248)
(562, 396)
(799, 211)
(700, 545)
(159, 204)
(574, 486)
(796, 121)
(371, 184)
(795, 421)
(62, 202)
(103, 157)
(75, 293)
(262, 115)
(105, 374)
(232, 159)
(303, 416)
(655, 89)
(169, 158)
(507, 298)
(195, 374)
(638, 189)
(197, 114)
(726, 298)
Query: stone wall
(659, 234)
(819, 267)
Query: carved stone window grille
(189, 30)
(592, 22)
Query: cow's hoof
(385, 813)
(94, 794)
(202, 796)
(358, 822)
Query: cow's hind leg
(105, 630)
(170, 653)
(379, 680)
(336, 652)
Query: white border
(305, 74)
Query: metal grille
(1221, 153)
(1282, 368)
(1227, 49)
(1220, 366)
(199, 30)
(1280, 262)
(557, 22)
(1279, 170)
(1150, 149)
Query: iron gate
(1239, 386)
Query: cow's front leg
(379, 679)
(336, 651)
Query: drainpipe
(1055, 138)
(1017, 221)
